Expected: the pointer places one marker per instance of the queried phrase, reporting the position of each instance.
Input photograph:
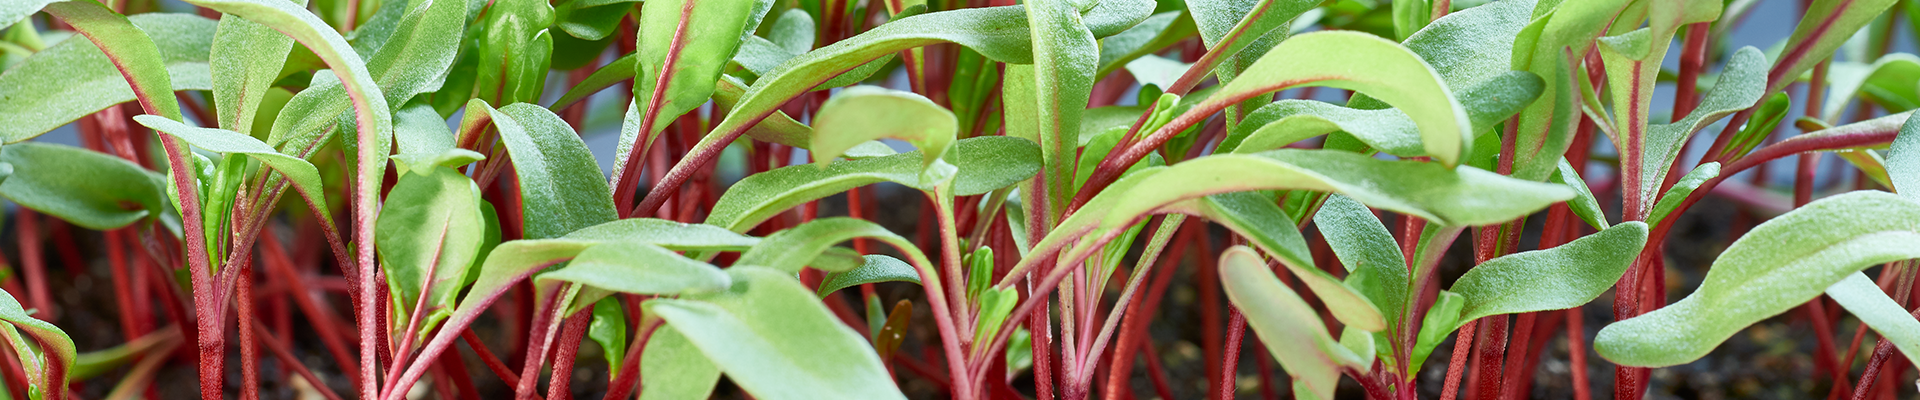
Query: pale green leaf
(1290, 328)
(984, 163)
(1777, 266)
(672, 369)
(878, 269)
(772, 337)
(1861, 297)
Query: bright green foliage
(609, 330)
(246, 58)
(306, 179)
(1903, 160)
(770, 336)
(1824, 26)
(1886, 82)
(1289, 326)
(877, 269)
(672, 368)
(1272, 230)
(863, 113)
(560, 186)
(1738, 88)
(1561, 277)
(1375, 267)
(1583, 203)
(74, 78)
(1777, 266)
(791, 249)
(1390, 73)
(429, 232)
(1064, 60)
(414, 61)
(86, 188)
(984, 164)
(1681, 189)
(707, 34)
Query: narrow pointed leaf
(1354, 61)
(638, 268)
(984, 164)
(1065, 57)
(1284, 321)
(246, 58)
(83, 187)
(1886, 82)
(306, 178)
(789, 250)
(1583, 204)
(1566, 276)
(73, 78)
(1861, 297)
(1777, 266)
(1363, 244)
(878, 269)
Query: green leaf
(1824, 26)
(246, 59)
(429, 233)
(639, 268)
(1903, 160)
(73, 78)
(708, 33)
(1354, 61)
(1549, 46)
(1681, 189)
(1111, 17)
(49, 358)
(772, 337)
(15, 11)
(1065, 57)
(1410, 16)
(668, 234)
(306, 178)
(671, 368)
(1156, 33)
(1263, 223)
(414, 60)
(616, 71)
(560, 184)
(1290, 328)
(1287, 121)
(999, 33)
(1777, 266)
(1232, 27)
(83, 187)
(1860, 296)
(1443, 317)
(1583, 204)
(984, 164)
(878, 269)
(1562, 277)
(589, 21)
(609, 330)
(1887, 82)
(1376, 268)
(1737, 89)
(789, 250)
(861, 114)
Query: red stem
(1230, 360)
(1462, 346)
(243, 304)
(34, 265)
(560, 381)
